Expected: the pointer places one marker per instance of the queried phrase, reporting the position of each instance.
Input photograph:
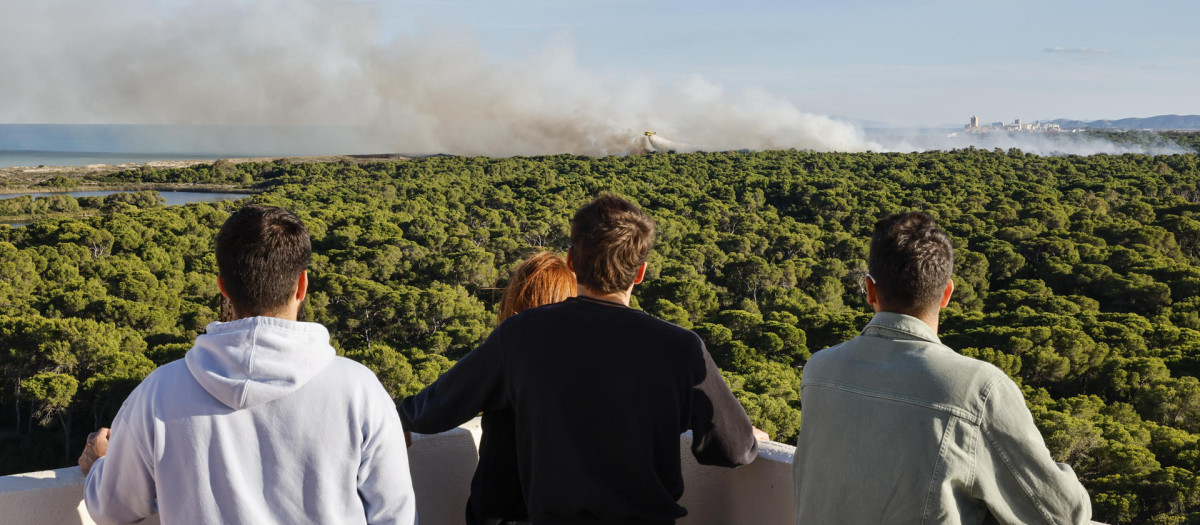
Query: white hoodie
(259, 423)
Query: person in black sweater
(600, 391)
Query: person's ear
(872, 293)
(227, 311)
(947, 293)
(570, 261)
(641, 274)
(302, 286)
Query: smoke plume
(317, 64)
(315, 77)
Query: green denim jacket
(898, 428)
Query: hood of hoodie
(255, 360)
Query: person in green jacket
(899, 428)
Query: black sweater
(600, 394)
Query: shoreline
(24, 179)
(185, 163)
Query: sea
(32, 145)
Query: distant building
(1016, 127)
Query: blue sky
(914, 63)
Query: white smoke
(1065, 143)
(320, 63)
(314, 77)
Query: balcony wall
(442, 465)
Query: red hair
(542, 279)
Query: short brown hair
(542, 279)
(261, 251)
(911, 261)
(610, 239)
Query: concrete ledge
(753, 494)
(442, 466)
(47, 497)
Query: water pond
(173, 198)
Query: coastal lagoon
(173, 198)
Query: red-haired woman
(496, 488)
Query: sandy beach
(22, 179)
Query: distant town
(974, 128)
(1156, 123)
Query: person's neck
(930, 317)
(287, 314)
(931, 320)
(615, 297)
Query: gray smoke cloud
(312, 64)
(314, 77)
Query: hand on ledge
(97, 447)
(760, 435)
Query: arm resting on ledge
(721, 432)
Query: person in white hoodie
(261, 422)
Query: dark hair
(911, 261)
(261, 251)
(542, 279)
(610, 239)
